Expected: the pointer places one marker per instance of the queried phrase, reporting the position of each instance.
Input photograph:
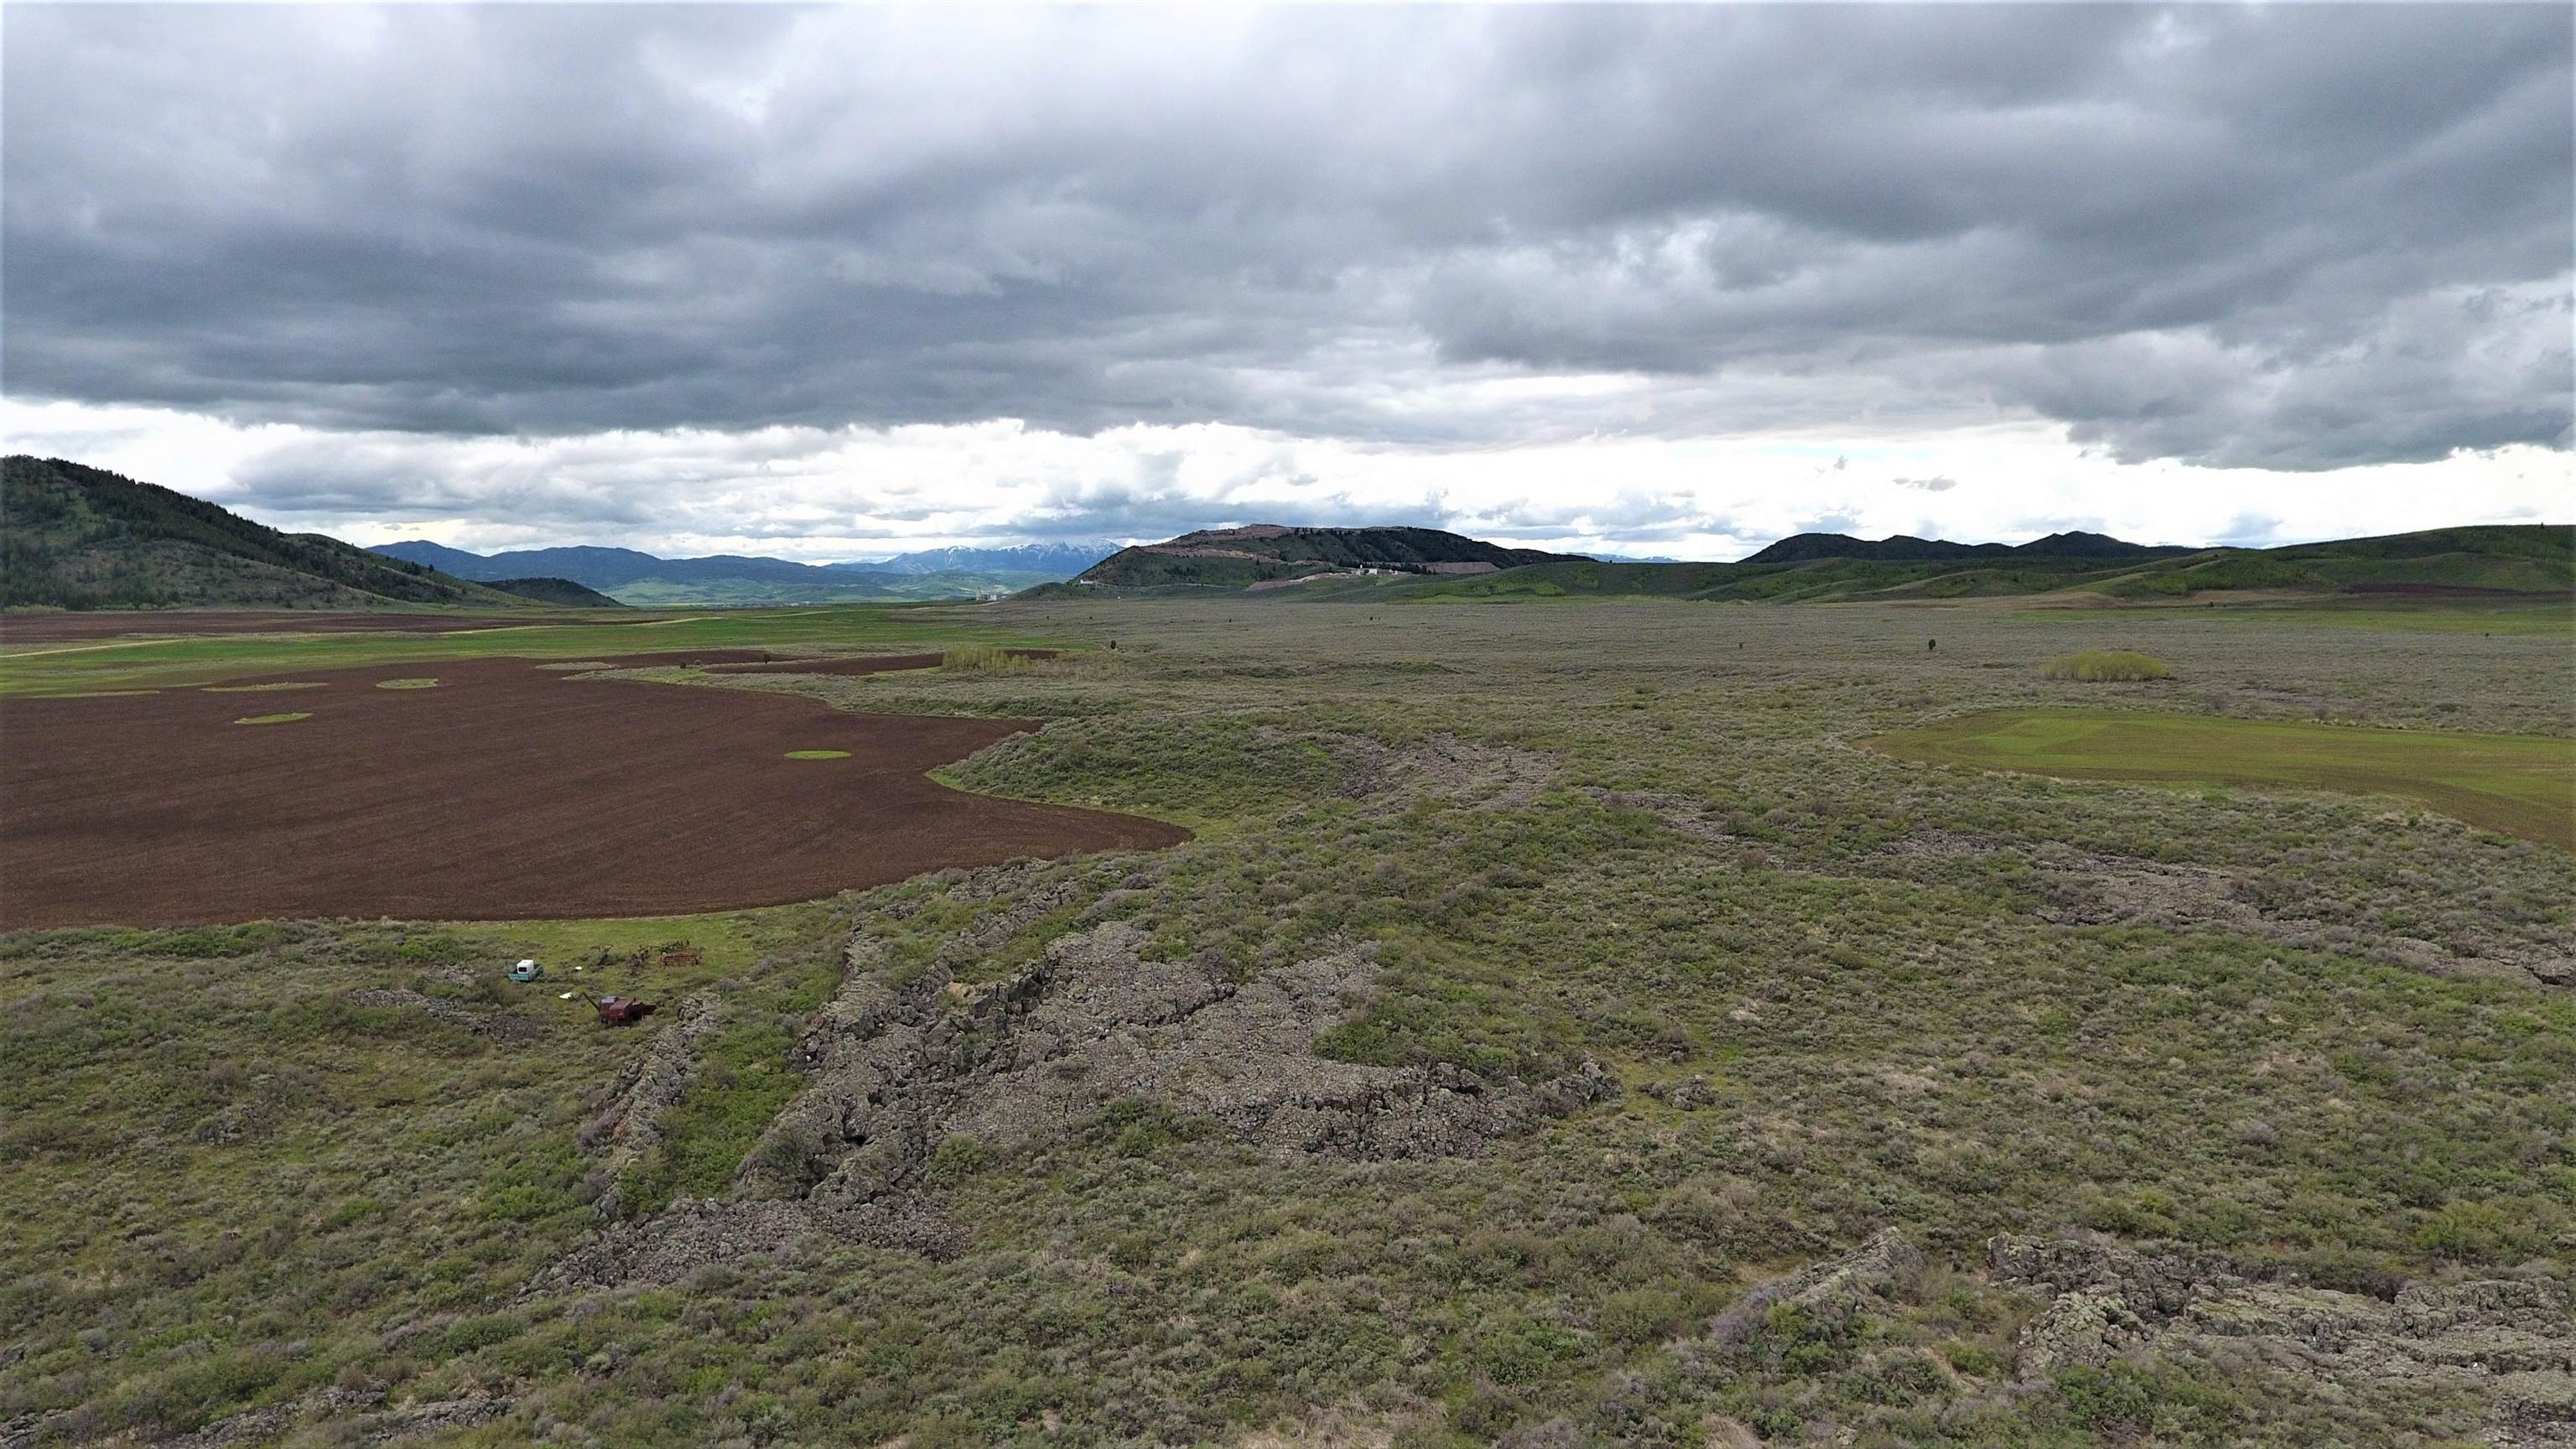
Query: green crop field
(297, 1180)
(2514, 783)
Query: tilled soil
(508, 791)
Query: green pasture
(2517, 784)
(727, 943)
(64, 668)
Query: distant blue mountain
(1057, 560)
(439, 556)
(736, 578)
(609, 568)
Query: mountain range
(1905, 548)
(78, 537)
(2528, 560)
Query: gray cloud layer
(2291, 237)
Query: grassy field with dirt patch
(1560, 1032)
(2517, 784)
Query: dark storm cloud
(2290, 237)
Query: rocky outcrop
(357, 1417)
(2161, 1284)
(2087, 888)
(1679, 813)
(895, 1072)
(2079, 1330)
(2508, 1342)
(495, 1022)
(1094, 1023)
(1476, 773)
(694, 1232)
(1836, 1290)
(626, 1123)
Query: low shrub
(983, 659)
(2096, 666)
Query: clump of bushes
(983, 659)
(2095, 666)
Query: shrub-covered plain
(2311, 1033)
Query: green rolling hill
(1268, 554)
(2531, 560)
(75, 537)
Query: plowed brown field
(508, 791)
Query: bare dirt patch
(507, 792)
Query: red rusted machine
(622, 1010)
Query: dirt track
(508, 791)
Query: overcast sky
(825, 283)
